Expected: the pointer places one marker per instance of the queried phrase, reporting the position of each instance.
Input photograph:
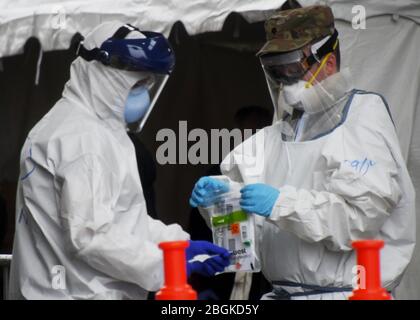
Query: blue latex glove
(220, 258)
(259, 198)
(205, 190)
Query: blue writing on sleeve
(361, 166)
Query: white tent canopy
(383, 57)
(54, 22)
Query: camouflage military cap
(293, 29)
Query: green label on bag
(234, 217)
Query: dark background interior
(216, 74)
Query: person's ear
(331, 65)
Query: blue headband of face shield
(151, 54)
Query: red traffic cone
(368, 258)
(175, 266)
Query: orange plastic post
(368, 258)
(175, 266)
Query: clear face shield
(282, 70)
(142, 99)
(307, 101)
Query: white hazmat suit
(82, 229)
(350, 183)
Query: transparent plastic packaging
(234, 229)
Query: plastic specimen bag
(234, 229)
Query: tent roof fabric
(55, 22)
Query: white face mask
(292, 94)
(320, 96)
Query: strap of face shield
(96, 53)
(325, 49)
(123, 31)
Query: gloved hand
(205, 190)
(258, 198)
(220, 258)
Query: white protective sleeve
(121, 244)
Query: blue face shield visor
(150, 54)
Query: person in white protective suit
(82, 228)
(327, 172)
